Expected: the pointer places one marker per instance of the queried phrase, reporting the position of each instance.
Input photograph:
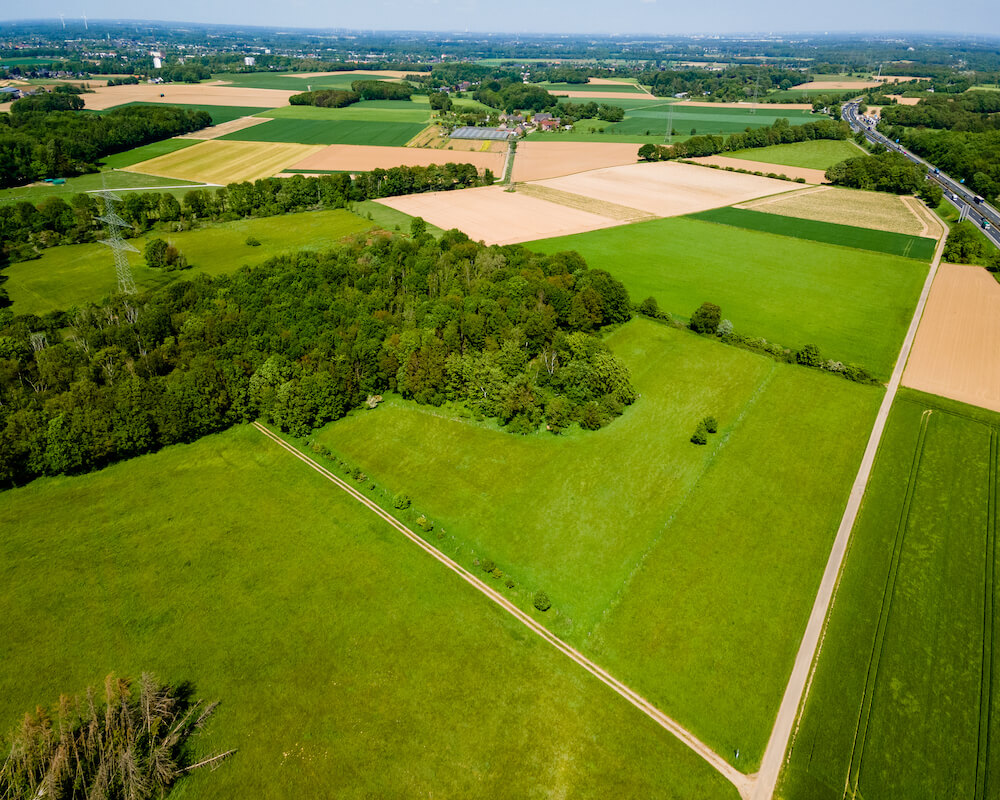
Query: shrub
(649, 307)
(700, 436)
(706, 319)
(401, 501)
(809, 356)
(496, 573)
(725, 328)
(252, 241)
(711, 425)
(509, 583)
(541, 601)
(424, 523)
(488, 565)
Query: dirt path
(801, 677)
(742, 782)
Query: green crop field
(219, 114)
(341, 131)
(613, 521)
(146, 152)
(75, 274)
(855, 307)
(366, 111)
(114, 179)
(903, 702)
(348, 663)
(897, 244)
(556, 88)
(815, 154)
(294, 81)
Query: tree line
(325, 98)
(781, 132)
(35, 143)
(27, 228)
(730, 84)
(504, 332)
(884, 172)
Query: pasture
(222, 162)
(610, 86)
(855, 307)
(816, 154)
(329, 131)
(114, 179)
(744, 524)
(902, 704)
(72, 275)
(332, 643)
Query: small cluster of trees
(781, 132)
(325, 98)
(382, 90)
(570, 112)
(882, 172)
(514, 95)
(968, 245)
(35, 143)
(731, 84)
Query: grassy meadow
(146, 152)
(365, 111)
(338, 130)
(855, 307)
(75, 274)
(902, 702)
(744, 524)
(219, 114)
(348, 663)
(896, 244)
(815, 154)
(112, 179)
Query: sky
(658, 17)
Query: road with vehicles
(978, 210)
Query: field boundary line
(885, 608)
(794, 696)
(743, 783)
(989, 617)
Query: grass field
(897, 244)
(854, 307)
(144, 153)
(370, 111)
(547, 512)
(115, 179)
(556, 88)
(219, 114)
(224, 162)
(294, 81)
(75, 274)
(329, 131)
(348, 663)
(815, 154)
(902, 704)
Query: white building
(249, 61)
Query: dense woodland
(38, 143)
(884, 172)
(304, 338)
(26, 228)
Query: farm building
(497, 134)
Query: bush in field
(252, 241)
(541, 601)
(509, 583)
(650, 308)
(711, 424)
(809, 356)
(700, 436)
(488, 565)
(401, 501)
(707, 318)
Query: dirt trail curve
(742, 782)
(798, 683)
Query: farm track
(989, 617)
(871, 679)
(743, 783)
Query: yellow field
(226, 162)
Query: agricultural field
(221, 161)
(360, 158)
(72, 275)
(897, 244)
(610, 86)
(332, 131)
(716, 655)
(539, 160)
(329, 639)
(902, 701)
(955, 354)
(811, 176)
(301, 81)
(186, 94)
(365, 111)
(854, 306)
(219, 114)
(118, 161)
(816, 154)
(113, 179)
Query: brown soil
(186, 94)
(539, 160)
(904, 101)
(779, 106)
(578, 201)
(360, 158)
(809, 175)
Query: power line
(119, 247)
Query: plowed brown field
(808, 175)
(536, 161)
(360, 158)
(198, 94)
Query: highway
(956, 193)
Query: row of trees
(382, 90)
(325, 98)
(514, 95)
(37, 144)
(570, 112)
(731, 84)
(781, 132)
(305, 337)
(26, 228)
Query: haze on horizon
(976, 18)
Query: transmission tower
(119, 247)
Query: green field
(348, 663)
(75, 274)
(902, 704)
(146, 152)
(854, 307)
(294, 81)
(341, 131)
(897, 244)
(815, 154)
(219, 114)
(610, 523)
(368, 111)
(555, 88)
(113, 179)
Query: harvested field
(809, 175)
(578, 201)
(884, 212)
(610, 82)
(956, 351)
(215, 131)
(496, 216)
(897, 78)
(539, 160)
(904, 101)
(831, 85)
(186, 94)
(360, 158)
(226, 162)
(375, 74)
(747, 106)
(666, 188)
